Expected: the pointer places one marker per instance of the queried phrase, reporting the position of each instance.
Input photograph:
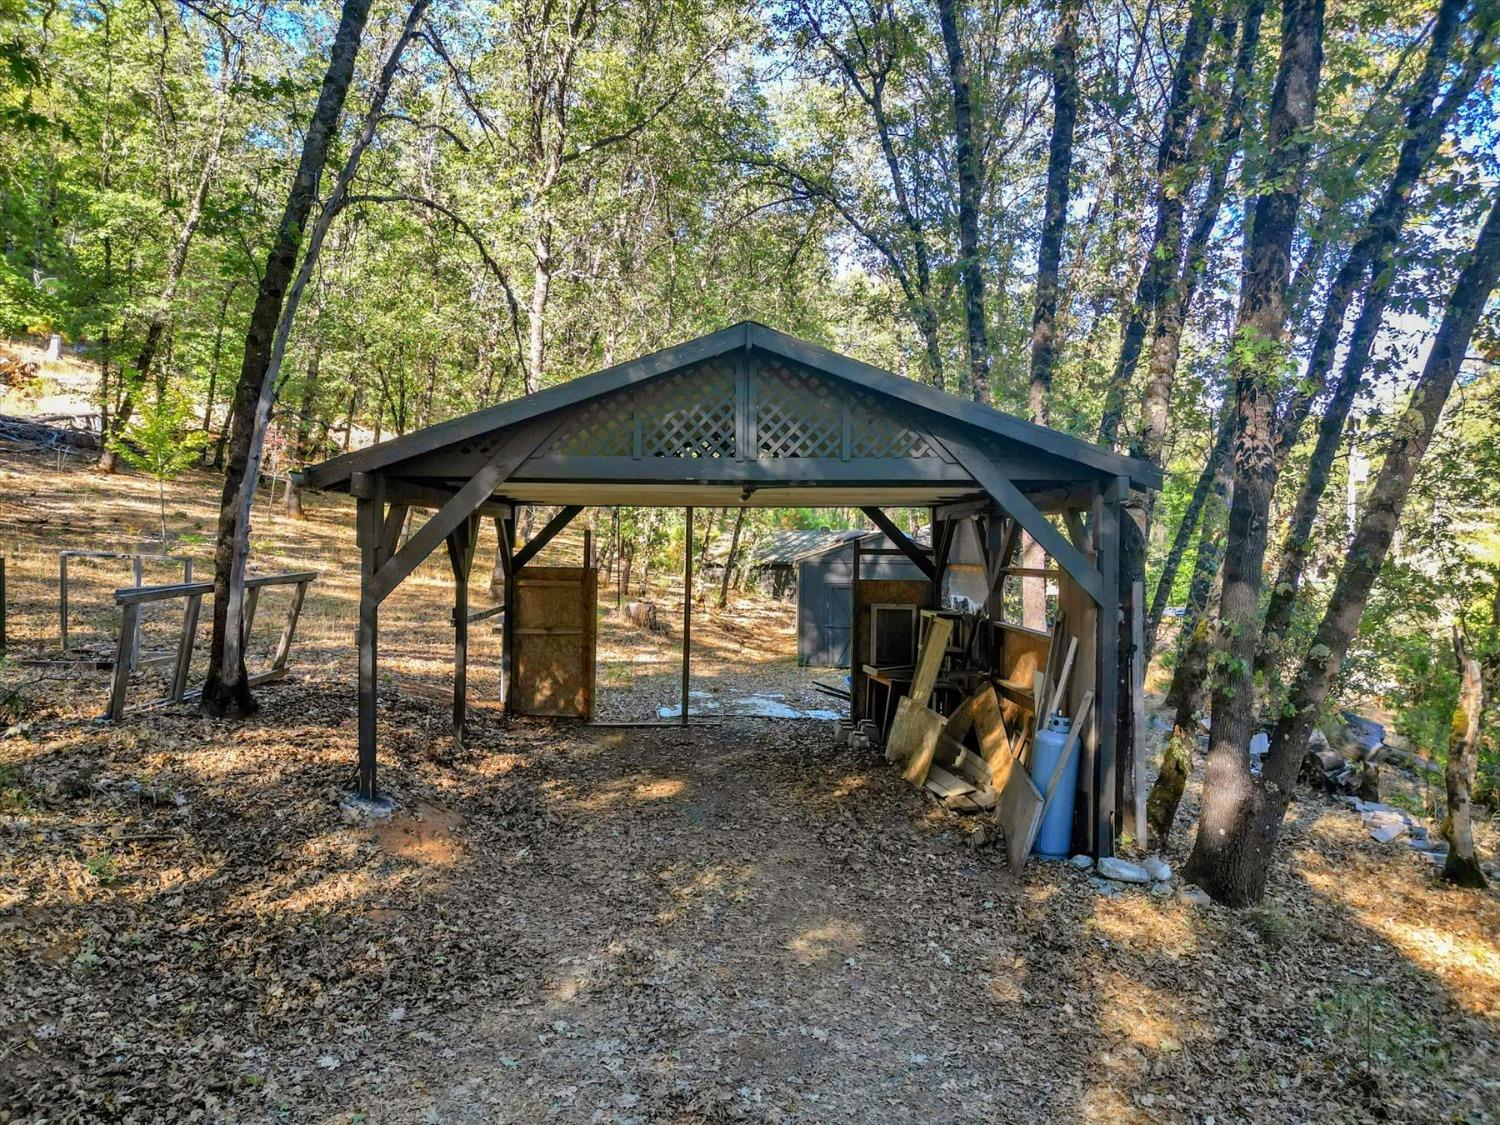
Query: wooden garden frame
(132, 598)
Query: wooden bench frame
(130, 600)
(137, 560)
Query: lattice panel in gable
(875, 432)
(481, 446)
(689, 414)
(601, 428)
(797, 414)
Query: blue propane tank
(1056, 834)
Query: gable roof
(782, 548)
(1093, 460)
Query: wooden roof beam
(913, 551)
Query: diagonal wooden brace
(1025, 513)
(465, 502)
(919, 558)
(545, 536)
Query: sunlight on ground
(635, 788)
(849, 785)
(818, 945)
(1467, 963)
(1140, 923)
(1143, 1016)
(690, 887)
(1008, 976)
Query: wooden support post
(461, 545)
(185, 647)
(2, 605)
(62, 600)
(687, 614)
(858, 682)
(130, 618)
(370, 526)
(138, 571)
(1138, 707)
(507, 529)
(943, 532)
(1107, 688)
(996, 527)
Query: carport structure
(747, 416)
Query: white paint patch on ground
(770, 705)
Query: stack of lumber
(969, 759)
(930, 749)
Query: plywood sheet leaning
(930, 659)
(913, 739)
(1020, 804)
(981, 714)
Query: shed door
(553, 666)
(838, 620)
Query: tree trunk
(1055, 210)
(1165, 249)
(1195, 642)
(213, 366)
(1218, 458)
(227, 675)
(304, 431)
(1377, 528)
(1176, 302)
(1065, 107)
(1225, 861)
(968, 161)
(734, 550)
(714, 515)
(1462, 867)
(227, 689)
(1375, 252)
(536, 325)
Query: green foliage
(162, 442)
(102, 867)
(1372, 1023)
(1273, 925)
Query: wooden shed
(825, 594)
(743, 416)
